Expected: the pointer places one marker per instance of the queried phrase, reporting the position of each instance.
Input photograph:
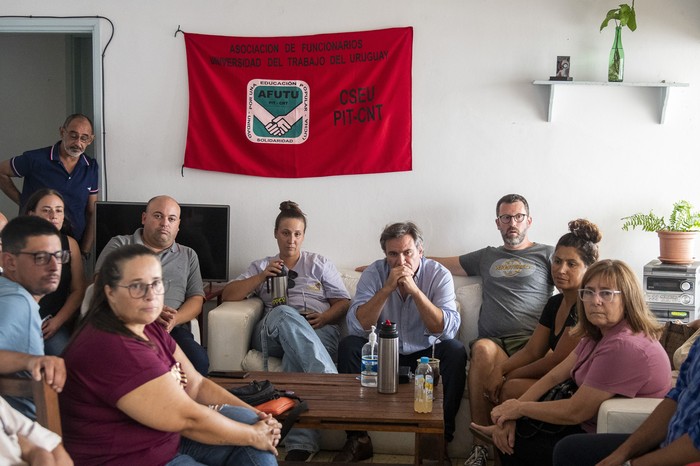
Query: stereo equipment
(671, 291)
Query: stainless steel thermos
(388, 373)
(277, 286)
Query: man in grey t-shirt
(516, 285)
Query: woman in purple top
(619, 355)
(132, 396)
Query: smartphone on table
(229, 374)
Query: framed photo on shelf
(563, 69)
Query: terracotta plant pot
(677, 247)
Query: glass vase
(616, 63)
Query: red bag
(265, 397)
(277, 406)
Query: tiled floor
(327, 456)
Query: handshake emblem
(277, 125)
(277, 112)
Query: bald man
(185, 296)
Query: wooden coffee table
(339, 402)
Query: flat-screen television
(203, 227)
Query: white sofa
(229, 332)
(624, 415)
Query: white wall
(479, 124)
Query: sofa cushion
(469, 305)
(253, 361)
(624, 415)
(350, 280)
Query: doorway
(50, 68)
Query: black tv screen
(203, 227)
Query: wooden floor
(324, 456)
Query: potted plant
(677, 237)
(623, 16)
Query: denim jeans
(195, 453)
(284, 333)
(182, 334)
(54, 346)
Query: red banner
(293, 107)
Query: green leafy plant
(623, 16)
(682, 218)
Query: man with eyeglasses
(65, 168)
(517, 282)
(32, 259)
(184, 295)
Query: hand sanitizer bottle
(368, 376)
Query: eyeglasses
(84, 138)
(606, 296)
(506, 219)
(139, 290)
(43, 258)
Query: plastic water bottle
(368, 376)
(423, 393)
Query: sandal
(481, 436)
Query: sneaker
(356, 448)
(299, 456)
(478, 456)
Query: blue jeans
(284, 333)
(195, 453)
(54, 346)
(182, 334)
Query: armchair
(44, 397)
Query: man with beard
(32, 260)
(66, 169)
(184, 295)
(517, 282)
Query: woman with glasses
(619, 355)
(132, 396)
(304, 331)
(58, 309)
